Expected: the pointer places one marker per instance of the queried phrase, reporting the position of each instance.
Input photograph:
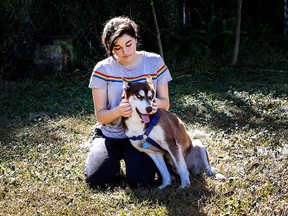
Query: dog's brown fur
(169, 133)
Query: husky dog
(162, 134)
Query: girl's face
(125, 49)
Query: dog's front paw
(165, 183)
(185, 183)
(163, 186)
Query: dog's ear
(126, 84)
(149, 79)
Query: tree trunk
(237, 33)
(157, 30)
(285, 17)
(184, 15)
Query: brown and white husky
(162, 134)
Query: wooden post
(237, 33)
(157, 30)
(285, 17)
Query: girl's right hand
(124, 108)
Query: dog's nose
(149, 109)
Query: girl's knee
(96, 181)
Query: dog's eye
(151, 97)
(139, 96)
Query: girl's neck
(136, 61)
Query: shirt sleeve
(163, 73)
(98, 77)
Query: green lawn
(243, 112)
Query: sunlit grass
(242, 117)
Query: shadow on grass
(220, 100)
(232, 99)
(27, 102)
(174, 200)
(177, 201)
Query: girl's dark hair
(115, 28)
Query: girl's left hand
(154, 106)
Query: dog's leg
(204, 158)
(199, 159)
(206, 165)
(183, 172)
(161, 165)
(181, 167)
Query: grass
(243, 110)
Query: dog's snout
(149, 109)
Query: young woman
(110, 145)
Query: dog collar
(145, 136)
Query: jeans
(103, 162)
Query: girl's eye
(118, 48)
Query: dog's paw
(185, 184)
(209, 172)
(163, 186)
(165, 183)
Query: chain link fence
(187, 28)
(27, 23)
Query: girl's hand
(124, 108)
(154, 106)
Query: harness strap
(147, 132)
(154, 143)
(152, 124)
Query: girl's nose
(125, 50)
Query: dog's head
(140, 96)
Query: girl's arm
(162, 98)
(105, 115)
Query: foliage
(45, 123)
(17, 35)
(206, 38)
(209, 32)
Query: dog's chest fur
(136, 127)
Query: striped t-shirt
(108, 75)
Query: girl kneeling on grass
(110, 144)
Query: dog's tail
(197, 159)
